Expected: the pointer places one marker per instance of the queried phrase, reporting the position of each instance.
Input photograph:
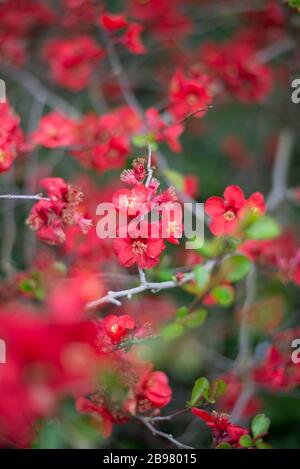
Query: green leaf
(263, 229)
(260, 425)
(139, 141)
(217, 389)
(212, 248)
(295, 4)
(235, 268)
(200, 389)
(195, 319)
(224, 446)
(172, 331)
(246, 441)
(223, 294)
(202, 276)
(260, 444)
(181, 312)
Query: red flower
(227, 212)
(273, 372)
(188, 95)
(154, 387)
(235, 64)
(222, 429)
(162, 131)
(131, 201)
(11, 137)
(111, 154)
(55, 130)
(72, 61)
(132, 39)
(97, 411)
(118, 326)
(136, 175)
(144, 252)
(50, 217)
(113, 22)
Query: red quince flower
(225, 212)
(99, 412)
(144, 252)
(11, 137)
(188, 95)
(131, 201)
(50, 217)
(136, 175)
(73, 60)
(154, 387)
(117, 327)
(162, 131)
(222, 429)
(112, 22)
(55, 130)
(132, 39)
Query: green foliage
(172, 331)
(260, 425)
(202, 276)
(235, 268)
(246, 441)
(205, 391)
(199, 391)
(294, 4)
(223, 295)
(263, 228)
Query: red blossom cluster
(73, 60)
(131, 32)
(138, 241)
(50, 361)
(50, 216)
(58, 347)
(281, 253)
(236, 66)
(223, 431)
(228, 212)
(12, 141)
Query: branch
(166, 436)
(280, 169)
(42, 94)
(154, 287)
(23, 197)
(112, 296)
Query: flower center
(229, 215)
(114, 328)
(191, 99)
(139, 247)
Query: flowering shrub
(125, 320)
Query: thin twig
(166, 436)
(154, 287)
(280, 169)
(23, 197)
